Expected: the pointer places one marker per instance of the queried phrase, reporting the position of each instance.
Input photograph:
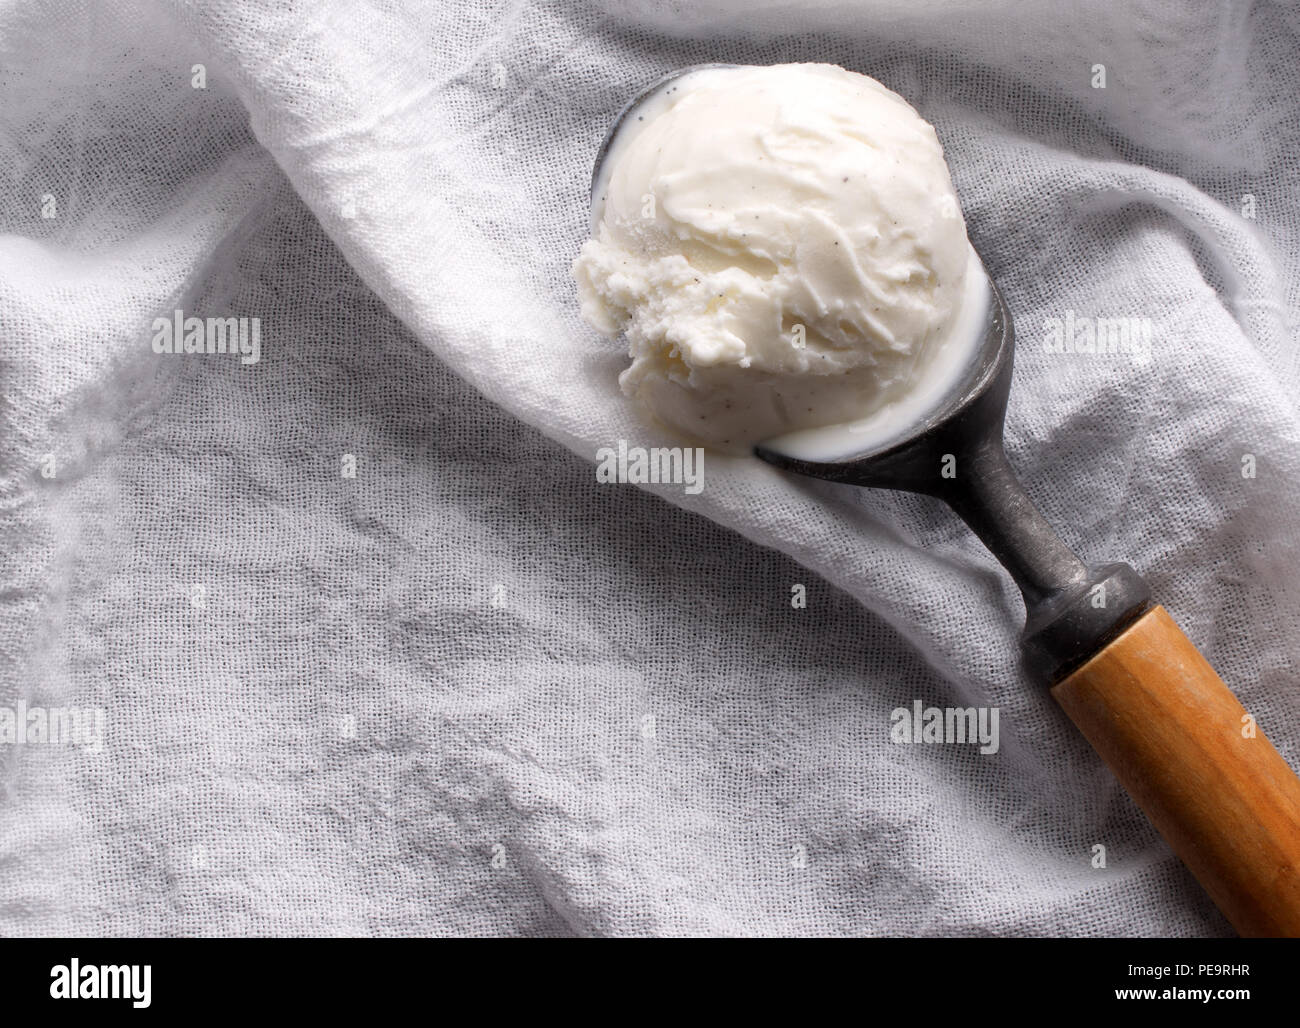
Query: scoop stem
(988, 496)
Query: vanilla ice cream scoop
(783, 249)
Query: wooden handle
(1187, 752)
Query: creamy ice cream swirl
(781, 246)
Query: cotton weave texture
(470, 690)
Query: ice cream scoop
(1157, 713)
(782, 248)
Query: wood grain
(1226, 802)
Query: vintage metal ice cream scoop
(1139, 691)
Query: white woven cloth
(470, 690)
